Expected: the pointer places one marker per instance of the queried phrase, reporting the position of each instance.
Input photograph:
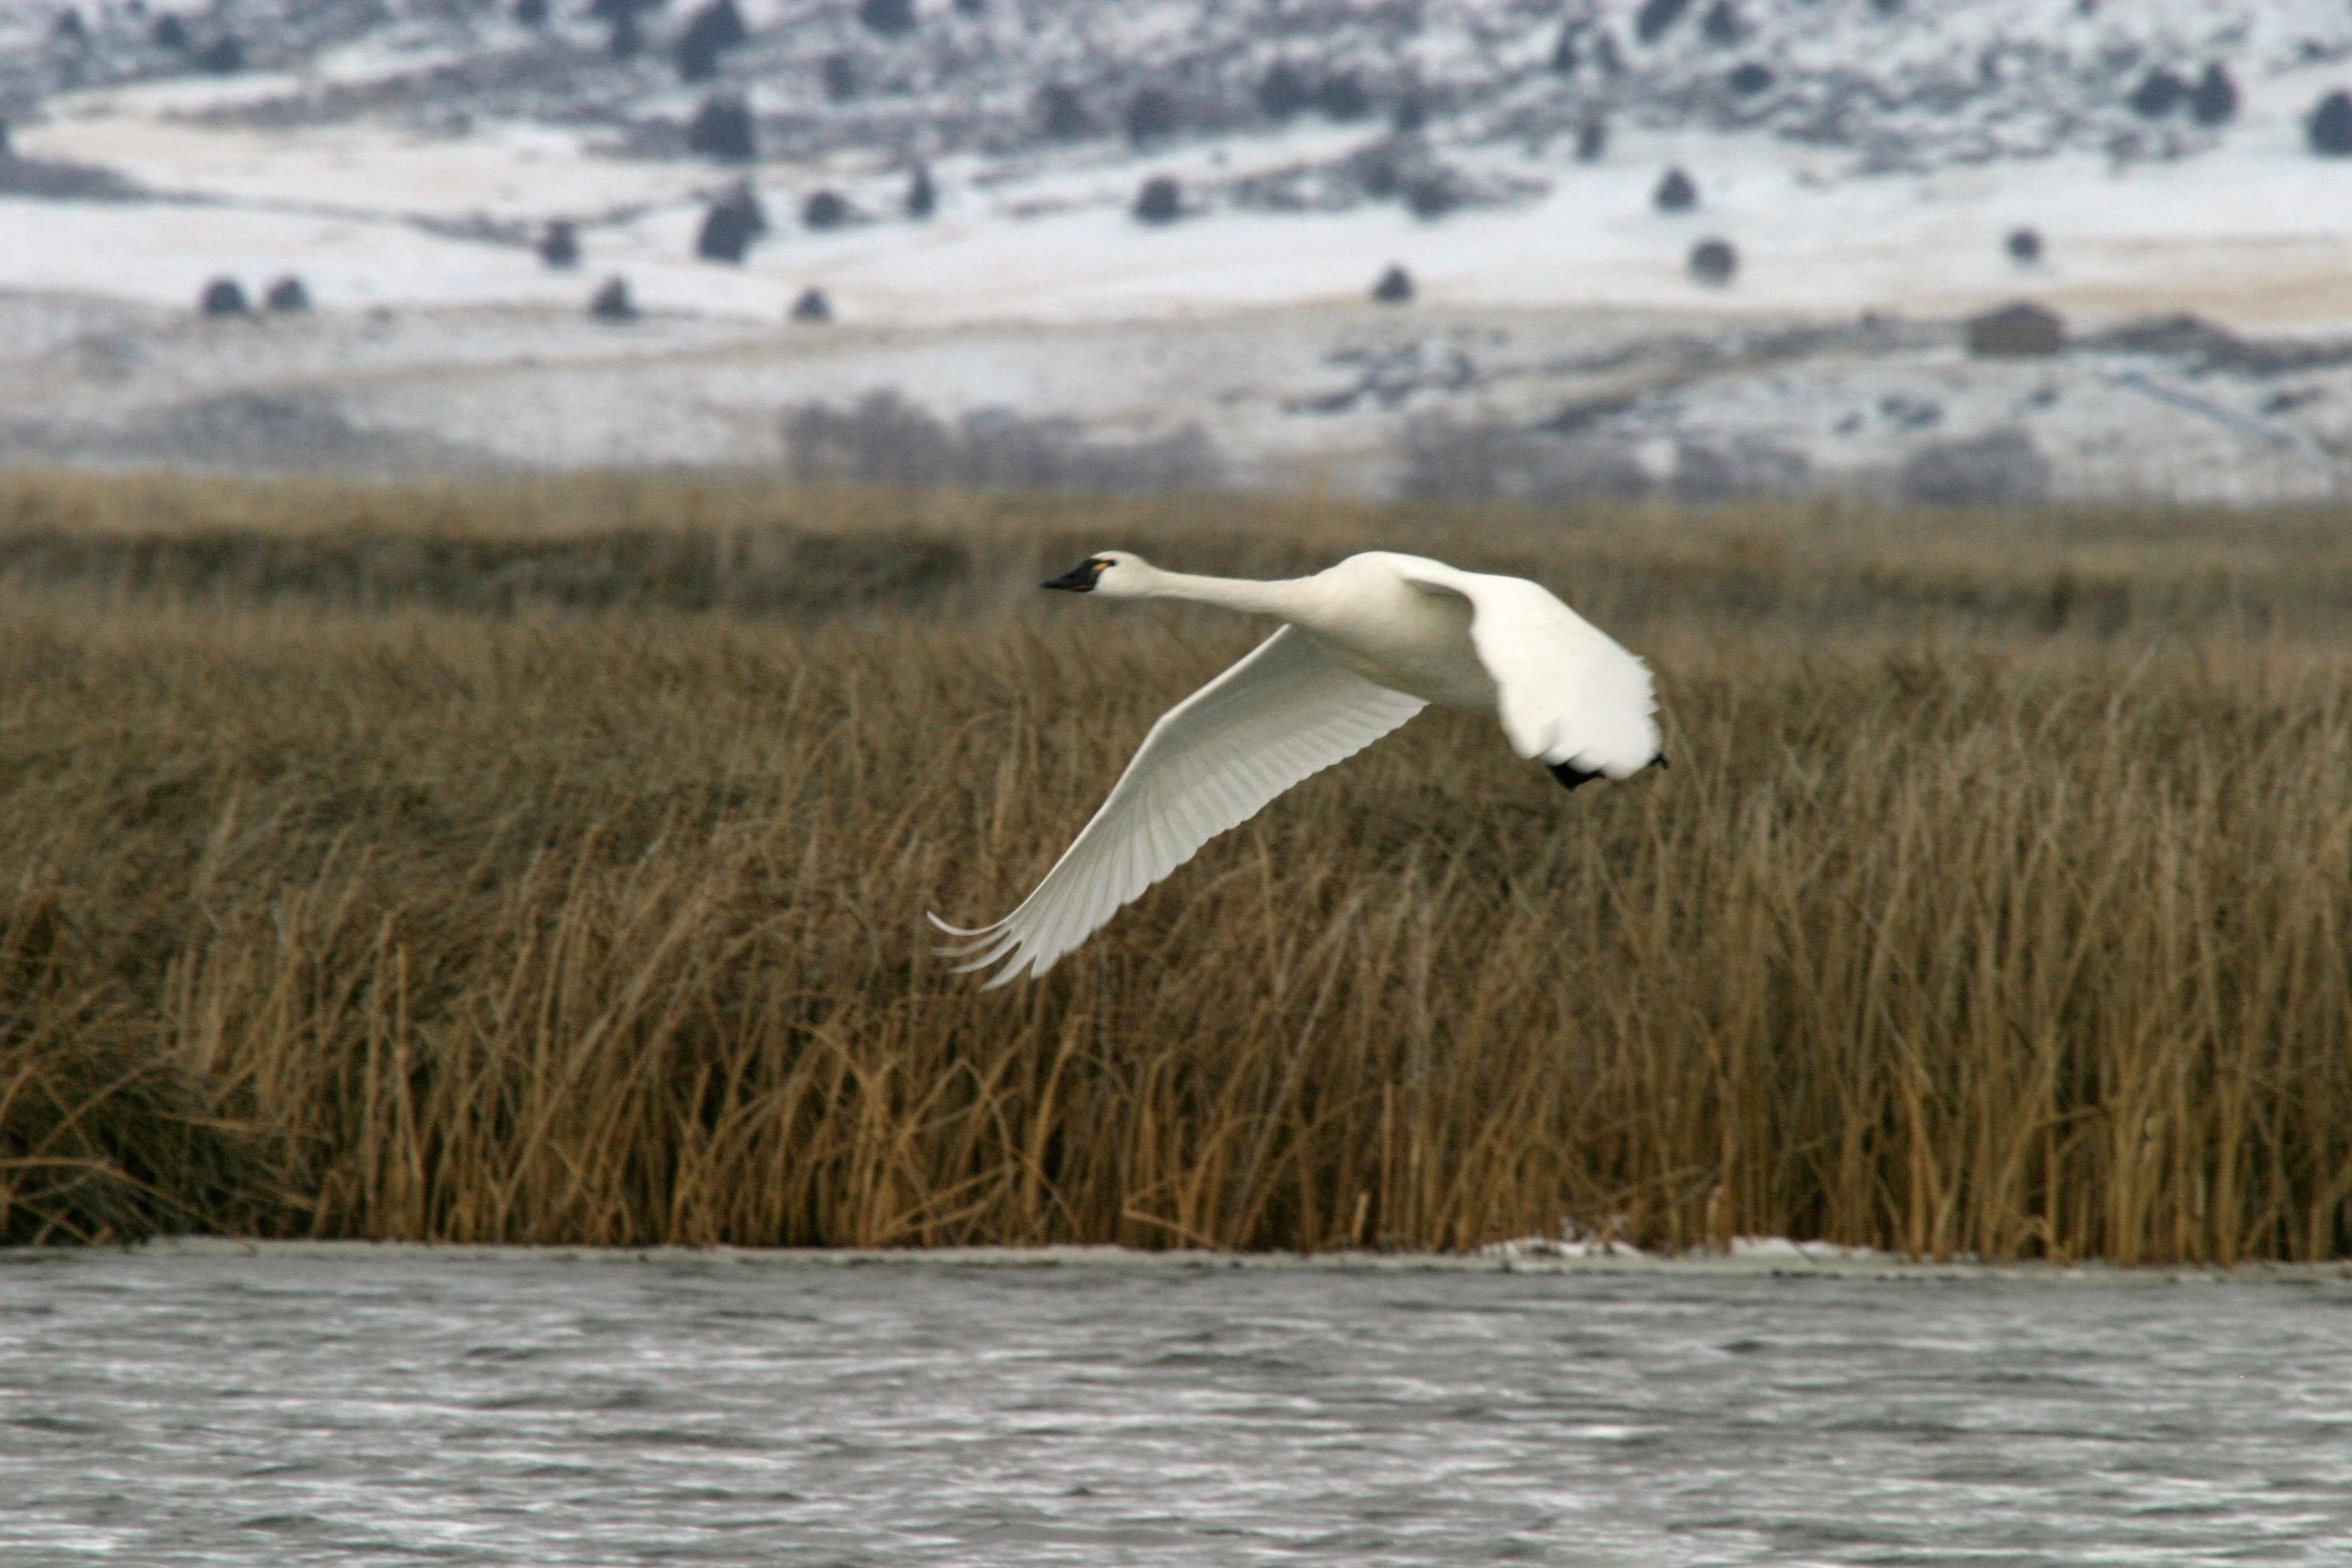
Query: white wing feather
(1566, 691)
(1287, 710)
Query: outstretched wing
(1284, 712)
(1568, 693)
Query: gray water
(449, 1408)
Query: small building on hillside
(2021, 331)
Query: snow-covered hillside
(1868, 164)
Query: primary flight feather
(1365, 646)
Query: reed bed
(2025, 937)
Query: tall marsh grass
(1965, 928)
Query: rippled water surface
(454, 1408)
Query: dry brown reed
(1962, 924)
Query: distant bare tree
(223, 297)
(721, 129)
(1283, 91)
(1657, 17)
(611, 303)
(891, 18)
(225, 56)
(731, 227)
(1151, 116)
(1063, 112)
(1713, 262)
(2214, 99)
(1159, 201)
(2329, 128)
(2158, 92)
(825, 209)
(559, 244)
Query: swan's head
(1114, 574)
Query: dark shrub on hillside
(225, 56)
(1394, 288)
(223, 297)
(885, 440)
(882, 440)
(922, 197)
(1283, 91)
(1713, 262)
(530, 13)
(734, 222)
(717, 28)
(1411, 113)
(1430, 193)
(62, 181)
(2214, 101)
(825, 209)
(721, 129)
(697, 59)
(626, 41)
(2024, 245)
(1606, 54)
(288, 294)
(1378, 168)
(4, 152)
(611, 303)
(1676, 192)
(169, 33)
(1063, 112)
(1721, 25)
(971, 7)
(840, 75)
(1656, 18)
(1591, 140)
(891, 19)
(1151, 116)
(2020, 331)
(1564, 56)
(1160, 200)
(1343, 98)
(70, 28)
(1749, 79)
(812, 308)
(559, 244)
(2002, 468)
(1457, 461)
(2329, 128)
(2157, 94)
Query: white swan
(1367, 645)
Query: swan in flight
(1364, 647)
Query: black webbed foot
(1569, 775)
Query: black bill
(1078, 579)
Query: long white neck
(1281, 598)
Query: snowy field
(404, 177)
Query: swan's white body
(1366, 645)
